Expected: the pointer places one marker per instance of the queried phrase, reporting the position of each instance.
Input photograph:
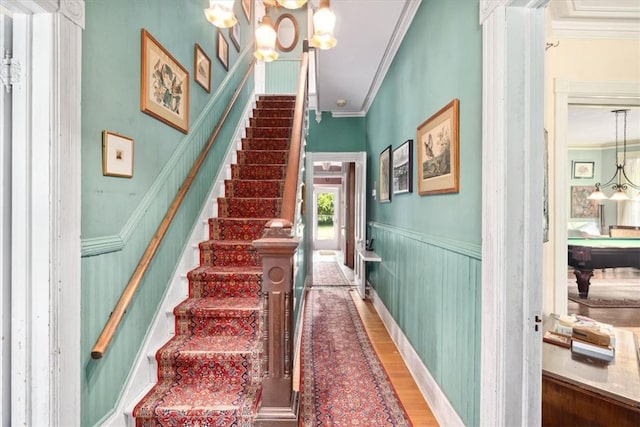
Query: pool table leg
(583, 278)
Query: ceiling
(355, 68)
(590, 125)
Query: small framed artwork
(201, 68)
(403, 168)
(246, 8)
(164, 85)
(438, 151)
(117, 155)
(581, 205)
(223, 51)
(234, 35)
(583, 169)
(384, 175)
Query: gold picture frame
(223, 51)
(438, 151)
(246, 8)
(201, 68)
(117, 155)
(164, 85)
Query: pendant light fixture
(266, 40)
(620, 182)
(220, 13)
(324, 21)
(292, 4)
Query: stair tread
(248, 303)
(210, 270)
(213, 344)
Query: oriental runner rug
(343, 382)
(328, 273)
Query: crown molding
(595, 19)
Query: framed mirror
(287, 30)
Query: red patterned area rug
(328, 273)
(343, 382)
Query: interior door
(360, 223)
(350, 206)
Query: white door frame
(574, 92)
(512, 139)
(45, 242)
(336, 190)
(360, 159)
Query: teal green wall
(430, 274)
(336, 134)
(120, 215)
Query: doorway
(326, 217)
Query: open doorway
(326, 217)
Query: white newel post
(45, 264)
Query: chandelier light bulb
(292, 4)
(266, 41)
(324, 22)
(220, 13)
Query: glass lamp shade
(220, 13)
(324, 22)
(266, 41)
(597, 195)
(619, 195)
(292, 4)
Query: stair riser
(272, 112)
(265, 144)
(276, 122)
(282, 132)
(275, 104)
(223, 289)
(233, 369)
(249, 208)
(262, 157)
(260, 172)
(229, 257)
(220, 325)
(254, 188)
(233, 229)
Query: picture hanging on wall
(202, 68)
(234, 35)
(438, 151)
(246, 8)
(583, 169)
(403, 168)
(581, 205)
(384, 175)
(164, 85)
(117, 155)
(223, 51)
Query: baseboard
(144, 372)
(431, 391)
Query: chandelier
(619, 182)
(220, 13)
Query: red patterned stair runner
(209, 372)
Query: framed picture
(583, 169)
(581, 205)
(246, 8)
(117, 155)
(438, 152)
(384, 175)
(201, 68)
(234, 35)
(223, 51)
(403, 168)
(164, 85)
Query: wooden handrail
(134, 282)
(293, 164)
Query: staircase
(209, 373)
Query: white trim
(431, 391)
(601, 93)
(511, 227)
(143, 374)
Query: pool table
(586, 255)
